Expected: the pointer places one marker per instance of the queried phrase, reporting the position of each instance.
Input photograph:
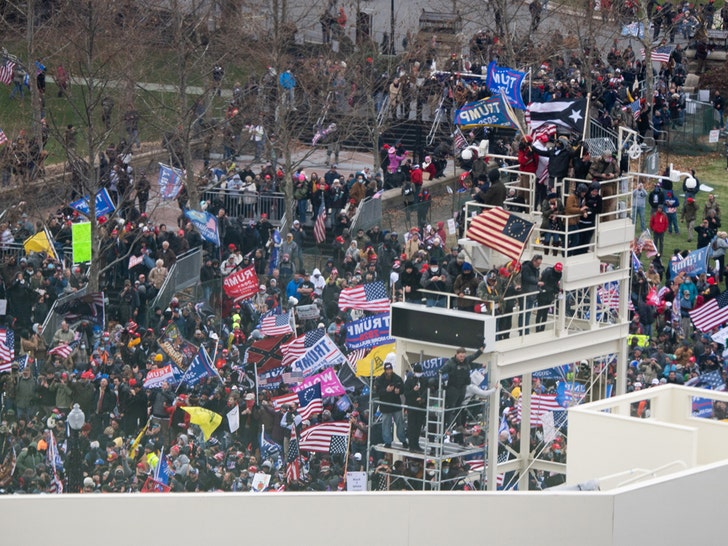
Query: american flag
(367, 297)
(501, 231)
(540, 404)
(297, 348)
(310, 402)
(609, 297)
(459, 141)
(713, 380)
(7, 349)
(285, 399)
(635, 107)
(6, 72)
(293, 453)
(326, 438)
(64, 350)
(711, 314)
(3, 137)
(547, 129)
(660, 54)
(319, 227)
(56, 464)
(478, 465)
(276, 325)
(355, 356)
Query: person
(688, 214)
(719, 106)
(530, 285)
(466, 287)
(574, 208)
(658, 225)
(389, 388)
(593, 206)
(552, 223)
(415, 395)
(458, 369)
(639, 200)
(672, 203)
(551, 279)
(435, 278)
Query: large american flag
(366, 297)
(319, 227)
(276, 325)
(326, 437)
(297, 348)
(711, 314)
(501, 231)
(64, 350)
(7, 349)
(6, 72)
(659, 54)
(540, 404)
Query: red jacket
(658, 222)
(416, 177)
(527, 161)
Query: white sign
(260, 482)
(308, 312)
(451, 227)
(714, 136)
(356, 481)
(3, 307)
(233, 417)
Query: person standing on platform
(458, 369)
(389, 388)
(415, 396)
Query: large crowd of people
(103, 356)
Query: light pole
(391, 27)
(76, 420)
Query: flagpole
(511, 113)
(256, 381)
(346, 457)
(586, 124)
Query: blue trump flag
(487, 112)
(693, 264)
(199, 369)
(206, 224)
(104, 204)
(509, 80)
(170, 181)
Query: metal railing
(53, 320)
(248, 205)
(17, 250)
(368, 214)
(184, 273)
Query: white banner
(233, 417)
(323, 353)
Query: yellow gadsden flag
(39, 243)
(207, 420)
(373, 363)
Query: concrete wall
(683, 509)
(601, 444)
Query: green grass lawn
(711, 170)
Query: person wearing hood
(466, 286)
(435, 278)
(415, 396)
(409, 283)
(318, 282)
